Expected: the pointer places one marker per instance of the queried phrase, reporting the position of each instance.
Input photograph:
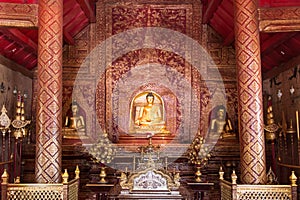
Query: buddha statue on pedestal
(74, 124)
(220, 126)
(149, 116)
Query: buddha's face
(74, 109)
(221, 114)
(150, 99)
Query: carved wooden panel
(75, 54)
(126, 16)
(19, 15)
(223, 57)
(278, 3)
(279, 19)
(115, 17)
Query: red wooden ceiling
(20, 45)
(276, 48)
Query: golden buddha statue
(149, 117)
(221, 126)
(74, 123)
(149, 114)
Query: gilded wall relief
(140, 76)
(74, 55)
(223, 58)
(19, 15)
(116, 17)
(171, 16)
(177, 17)
(122, 17)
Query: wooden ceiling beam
(271, 43)
(211, 8)
(281, 19)
(76, 24)
(86, 6)
(226, 17)
(71, 14)
(15, 67)
(265, 66)
(271, 62)
(18, 15)
(275, 71)
(68, 38)
(229, 39)
(23, 39)
(215, 24)
(223, 24)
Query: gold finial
(291, 129)
(65, 176)
(221, 173)
(293, 179)
(77, 172)
(17, 179)
(233, 177)
(5, 177)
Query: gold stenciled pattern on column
(253, 169)
(49, 109)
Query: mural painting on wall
(147, 114)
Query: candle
(297, 124)
(133, 166)
(166, 163)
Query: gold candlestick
(102, 175)
(198, 174)
(298, 136)
(297, 124)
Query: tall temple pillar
(252, 142)
(49, 102)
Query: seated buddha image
(74, 122)
(220, 126)
(148, 115)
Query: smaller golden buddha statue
(74, 123)
(221, 126)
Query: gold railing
(233, 191)
(67, 190)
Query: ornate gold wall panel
(124, 16)
(49, 108)
(279, 19)
(18, 15)
(253, 160)
(114, 17)
(75, 54)
(223, 57)
(132, 60)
